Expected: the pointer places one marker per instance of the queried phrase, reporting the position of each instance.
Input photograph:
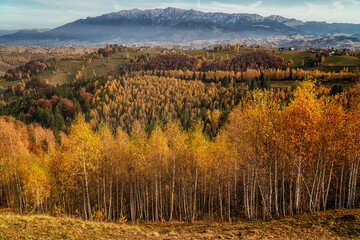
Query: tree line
(253, 60)
(28, 70)
(249, 67)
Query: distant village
(324, 52)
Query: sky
(29, 14)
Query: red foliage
(85, 96)
(37, 83)
(54, 100)
(67, 107)
(167, 62)
(28, 117)
(105, 52)
(40, 103)
(32, 68)
(254, 60)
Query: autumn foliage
(37, 83)
(176, 137)
(254, 60)
(28, 70)
(275, 156)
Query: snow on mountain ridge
(180, 25)
(175, 15)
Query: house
(328, 53)
(312, 50)
(282, 49)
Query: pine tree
(58, 119)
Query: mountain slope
(177, 25)
(153, 24)
(6, 32)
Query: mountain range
(173, 25)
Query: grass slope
(323, 225)
(67, 69)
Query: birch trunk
(172, 191)
(297, 186)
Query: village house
(328, 53)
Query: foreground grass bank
(338, 224)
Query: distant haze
(175, 25)
(29, 14)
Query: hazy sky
(21, 14)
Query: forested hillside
(272, 158)
(178, 137)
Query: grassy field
(65, 70)
(343, 224)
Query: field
(65, 70)
(342, 224)
(14, 56)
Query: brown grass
(323, 225)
